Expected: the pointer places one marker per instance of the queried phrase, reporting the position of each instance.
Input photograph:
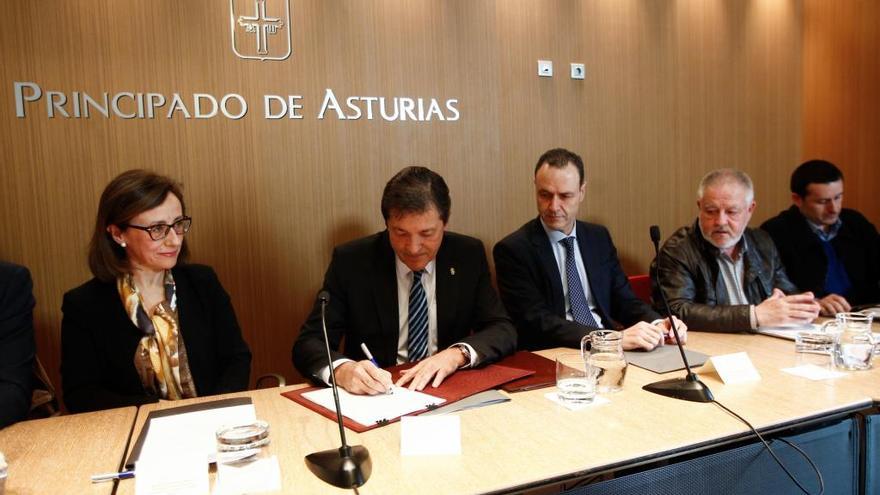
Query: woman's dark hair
(128, 195)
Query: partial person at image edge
(828, 249)
(17, 348)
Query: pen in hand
(375, 363)
(369, 354)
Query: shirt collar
(825, 236)
(403, 270)
(557, 236)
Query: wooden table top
(530, 439)
(58, 455)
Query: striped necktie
(576, 299)
(417, 345)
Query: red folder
(544, 371)
(461, 384)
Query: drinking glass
(575, 379)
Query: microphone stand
(690, 387)
(345, 467)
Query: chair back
(641, 285)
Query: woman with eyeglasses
(148, 326)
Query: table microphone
(688, 388)
(345, 467)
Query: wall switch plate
(578, 71)
(545, 68)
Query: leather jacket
(688, 269)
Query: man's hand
(833, 304)
(779, 309)
(643, 335)
(669, 335)
(438, 367)
(362, 378)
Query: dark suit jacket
(362, 282)
(531, 285)
(17, 349)
(857, 245)
(98, 342)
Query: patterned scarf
(160, 358)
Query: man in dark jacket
(828, 249)
(720, 275)
(17, 348)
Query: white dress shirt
(556, 237)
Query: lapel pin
(452, 270)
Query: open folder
(461, 384)
(191, 427)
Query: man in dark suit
(827, 249)
(560, 278)
(412, 292)
(17, 349)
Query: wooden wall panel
(673, 89)
(841, 102)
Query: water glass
(238, 444)
(575, 379)
(853, 344)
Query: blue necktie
(417, 345)
(577, 301)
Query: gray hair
(725, 176)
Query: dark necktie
(577, 301)
(417, 345)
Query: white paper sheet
(263, 475)
(371, 409)
(176, 473)
(788, 331)
(432, 435)
(193, 432)
(813, 372)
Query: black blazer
(857, 245)
(362, 282)
(531, 285)
(98, 342)
(17, 349)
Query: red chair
(641, 285)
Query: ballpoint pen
(373, 360)
(369, 354)
(122, 475)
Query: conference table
(58, 455)
(533, 444)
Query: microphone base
(682, 388)
(346, 467)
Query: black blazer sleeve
(308, 353)
(492, 334)
(17, 349)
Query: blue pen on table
(369, 354)
(122, 475)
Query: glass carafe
(603, 349)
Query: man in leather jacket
(720, 275)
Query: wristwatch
(465, 352)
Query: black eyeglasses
(160, 230)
